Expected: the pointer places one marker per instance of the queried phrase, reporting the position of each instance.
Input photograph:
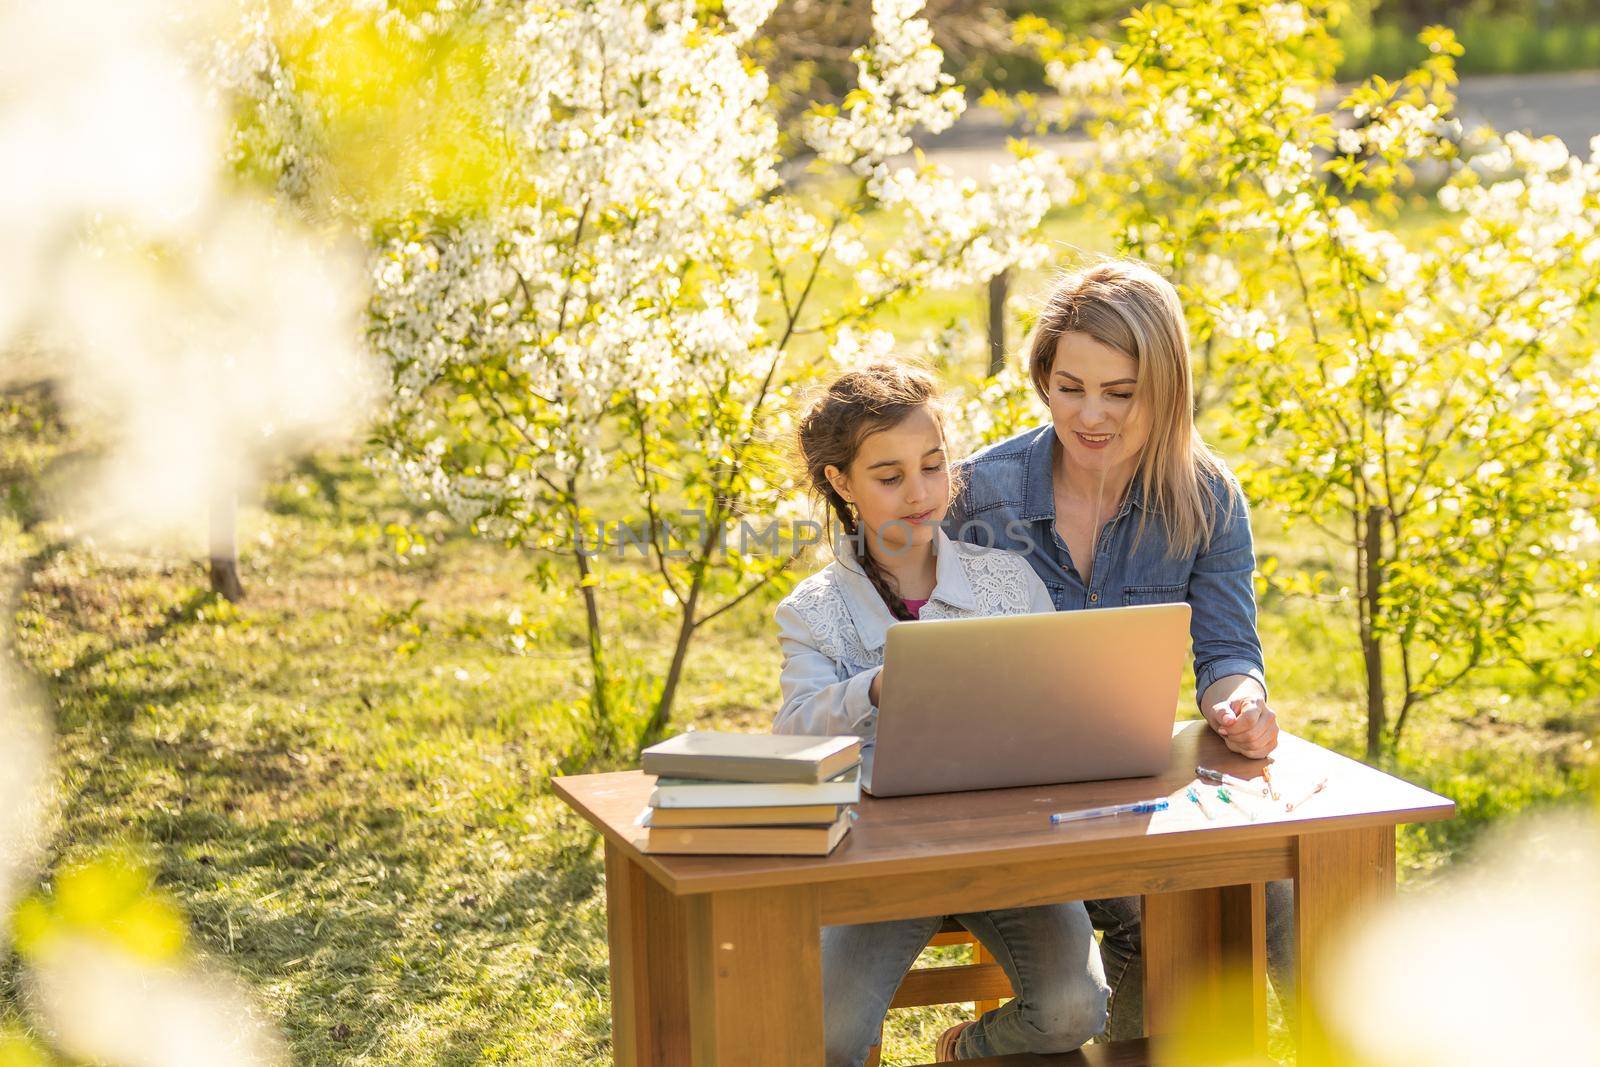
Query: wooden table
(716, 960)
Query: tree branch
(650, 502)
(765, 580)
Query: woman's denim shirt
(1008, 502)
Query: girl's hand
(1244, 721)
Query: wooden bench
(982, 982)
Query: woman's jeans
(1122, 951)
(1048, 952)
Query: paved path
(1567, 105)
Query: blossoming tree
(1428, 403)
(629, 310)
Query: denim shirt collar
(868, 611)
(1038, 484)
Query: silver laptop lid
(1013, 700)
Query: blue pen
(1140, 807)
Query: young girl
(873, 448)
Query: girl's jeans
(1048, 951)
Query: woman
(873, 449)
(1118, 501)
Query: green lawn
(344, 779)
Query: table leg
(1205, 968)
(649, 978)
(1338, 875)
(755, 977)
(1244, 955)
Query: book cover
(788, 815)
(845, 788)
(721, 756)
(747, 840)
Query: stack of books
(751, 794)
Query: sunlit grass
(365, 835)
(342, 780)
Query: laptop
(1015, 700)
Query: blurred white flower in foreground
(98, 113)
(198, 333)
(1500, 963)
(24, 749)
(112, 1007)
(241, 347)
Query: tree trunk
(225, 547)
(689, 622)
(1371, 647)
(998, 286)
(656, 728)
(1400, 720)
(662, 716)
(605, 728)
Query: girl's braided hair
(860, 403)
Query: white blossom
(747, 16)
(655, 256)
(1285, 21)
(853, 349)
(899, 88)
(1096, 75)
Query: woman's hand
(1241, 717)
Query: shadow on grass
(80, 668)
(338, 891)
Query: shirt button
(1094, 598)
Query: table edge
(821, 873)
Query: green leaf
(110, 898)
(19, 1050)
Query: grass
(365, 834)
(344, 778)
(1497, 45)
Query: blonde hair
(1128, 306)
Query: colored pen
(1218, 778)
(1313, 791)
(1227, 798)
(1272, 790)
(1140, 807)
(1193, 795)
